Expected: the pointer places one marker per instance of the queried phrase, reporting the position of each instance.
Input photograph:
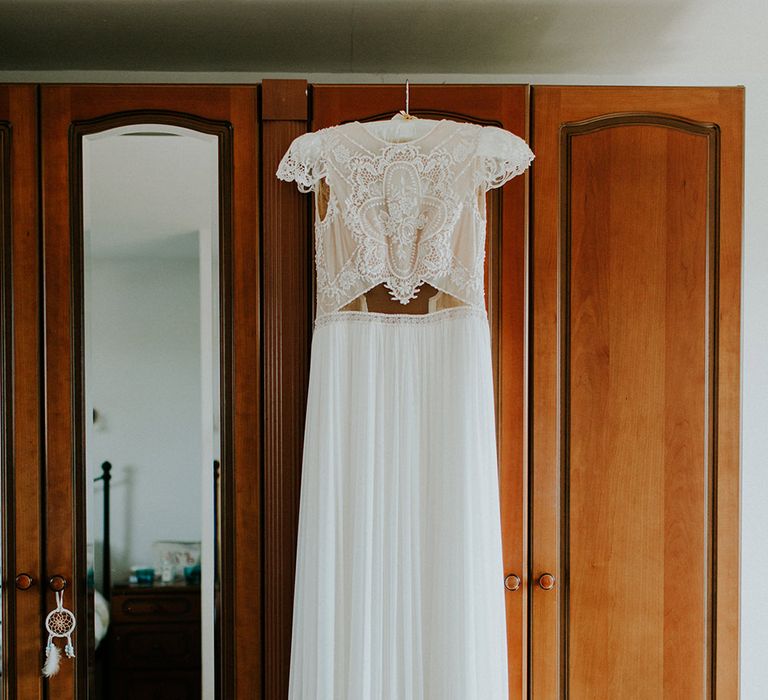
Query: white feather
(51, 666)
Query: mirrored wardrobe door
(20, 619)
(151, 388)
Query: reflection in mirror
(151, 369)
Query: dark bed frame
(106, 574)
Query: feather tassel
(52, 660)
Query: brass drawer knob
(546, 582)
(512, 582)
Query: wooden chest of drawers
(155, 643)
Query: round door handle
(24, 582)
(512, 582)
(546, 582)
(57, 583)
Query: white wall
(143, 377)
(702, 42)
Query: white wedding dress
(399, 583)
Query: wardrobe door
(635, 392)
(21, 622)
(289, 294)
(150, 259)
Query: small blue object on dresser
(192, 575)
(143, 575)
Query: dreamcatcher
(60, 623)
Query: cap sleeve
(303, 162)
(501, 156)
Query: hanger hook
(405, 112)
(407, 97)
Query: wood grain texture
(506, 281)
(544, 502)
(59, 501)
(636, 503)
(287, 318)
(22, 620)
(7, 514)
(63, 106)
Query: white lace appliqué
(402, 214)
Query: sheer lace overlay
(401, 214)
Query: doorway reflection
(152, 402)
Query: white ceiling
(364, 36)
(149, 196)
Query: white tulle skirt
(399, 584)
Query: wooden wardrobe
(613, 290)
(43, 471)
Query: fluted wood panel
(287, 318)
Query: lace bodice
(402, 213)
